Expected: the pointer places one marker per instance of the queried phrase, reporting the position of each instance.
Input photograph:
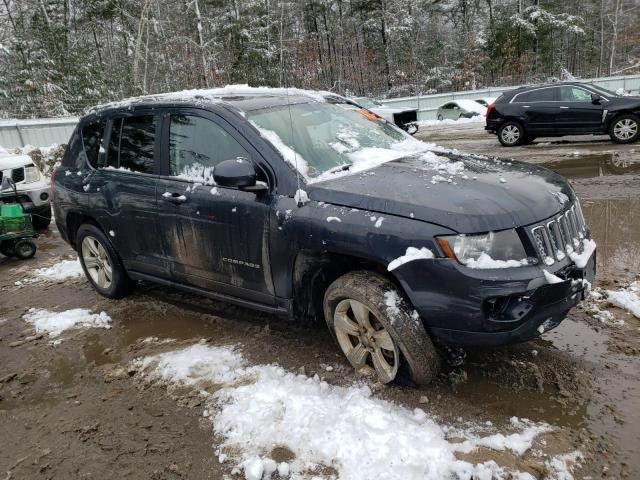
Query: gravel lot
(83, 409)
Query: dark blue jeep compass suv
(298, 203)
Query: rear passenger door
(123, 192)
(539, 109)
(215, 237)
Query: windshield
(603, 91)
(322, 138)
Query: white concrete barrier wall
(47, 131)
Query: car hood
(478, 193)
(8, 162)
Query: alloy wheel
(510, 134)
(365, 342)
(97, 262)
(625, 129)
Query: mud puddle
(589, 165)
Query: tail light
(490, 109)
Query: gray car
(460, 109)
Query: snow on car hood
(465, 193)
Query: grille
(561, 235)
(17, 175)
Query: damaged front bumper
(461, 306)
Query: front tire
(101, 263)
(7, 248)
(625, 128)
(511, 134)
(440, 117)
(378, 331)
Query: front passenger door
(215, 237)
(577, 113)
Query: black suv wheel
(101, 263)
(378, 331)
(511, 134)
(625, 128)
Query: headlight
(489, 250)
(31, 174)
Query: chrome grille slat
(560, 236)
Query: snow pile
(258, 407)
(411, 254)
(63, 270)
(54, 323)
(581, 259)
(484, 261)
(561, 466)
(626, 298)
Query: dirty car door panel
(214, 237)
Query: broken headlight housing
(501, 246)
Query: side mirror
(595, 98)
(237, 173)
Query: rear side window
(540, 95)
(132, 144)
(197, 145)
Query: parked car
(289, 204)
(555, 110)
(460, 109)
(32, 187)
(405, 118)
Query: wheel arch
(313, 272)
(618, 113)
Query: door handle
(174, 197)
(564, 107)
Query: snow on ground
(54, 323)
(254, 408)
(63, 270)
(626, 298)
(411, 255)
(435, 123)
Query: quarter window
(197, 145)
(132, 144)
(92, 144)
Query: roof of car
(542, 85)
(242, 97)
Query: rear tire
(101, 263)
(511, 134)
(24, 249)
(440, 117)
(625, 128)
(386, 341)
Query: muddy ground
(76, 410)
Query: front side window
(574, 94)
(197, 145)
(132, 144)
